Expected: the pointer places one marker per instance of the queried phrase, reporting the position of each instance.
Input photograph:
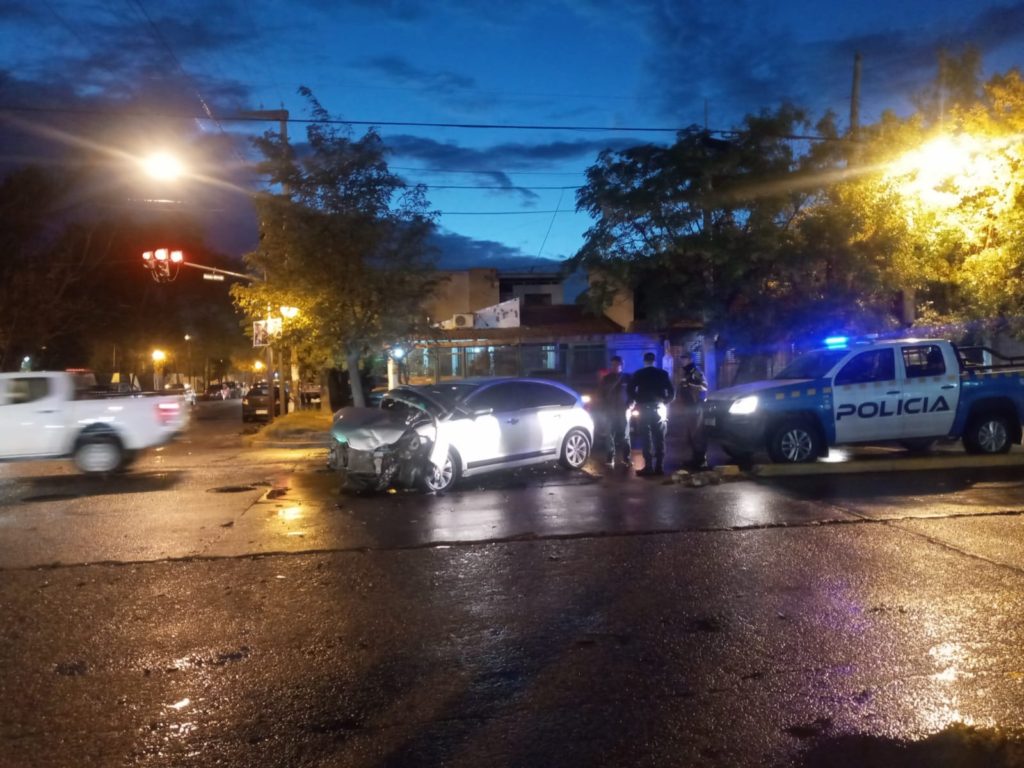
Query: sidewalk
(301, 429)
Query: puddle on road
(231, 489)
(958, 745)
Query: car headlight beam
(743, 406)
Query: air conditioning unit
(462, 320)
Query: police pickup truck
(910, 392)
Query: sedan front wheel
(443, 478)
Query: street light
(159, 357)
(188, 348)
(163, 166)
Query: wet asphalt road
(536, 618)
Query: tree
(342, 239)
(936, 198)
(707, 227)
(72, 288)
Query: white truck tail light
(167, 413)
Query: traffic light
(159, 263)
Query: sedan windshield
(438, 399)
(813, 365)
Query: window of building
(588, 358)
(449, 363)
(537, 300)
(541, 359)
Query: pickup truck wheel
(989, 433)
(99, 454)
(794, 442)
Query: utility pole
(855, 99)
(281, 115)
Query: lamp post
(159, 357)
(188, 352)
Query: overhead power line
(412, 123)
(501, 213)
(505, 188)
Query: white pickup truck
(49, 415)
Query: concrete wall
(463, 291)
(554, 290)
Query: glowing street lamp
(159, 357)
(948, 169)
(163, 166)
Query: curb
(902, 464)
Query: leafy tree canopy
(343, 240)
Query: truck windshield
(813, 365)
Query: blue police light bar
(837, 341)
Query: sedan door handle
(949, 386)
(512, 420)
(47, 410)
(893, 392)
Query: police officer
(615, 398)
(651, 389)
(693, 388)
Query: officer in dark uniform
(693, 388)
(614, 404)
(651, 389)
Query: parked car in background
(256, 403)
(213, 392)
(431, 436)
(224, 390)
(311, 396)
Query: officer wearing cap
(651, 389)
(693, 388)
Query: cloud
(494, 163)
(756, 56)
(460, 252)
(406, 74)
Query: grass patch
(298, 423)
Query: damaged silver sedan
(429, 437)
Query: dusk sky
(505, 194)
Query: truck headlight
(744, 405)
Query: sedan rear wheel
(575, 449)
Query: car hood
(367, 428)
(754, 388)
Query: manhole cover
(52, 497)
(232, 489)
